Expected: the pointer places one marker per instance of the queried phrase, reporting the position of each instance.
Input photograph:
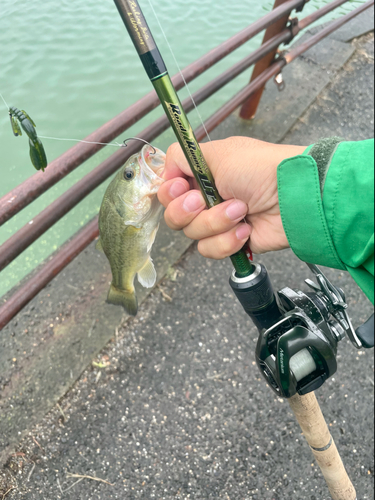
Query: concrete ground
(174, 407)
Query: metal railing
(280, 29)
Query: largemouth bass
(128, 222)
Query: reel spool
(297, 354)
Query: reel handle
(365, 333)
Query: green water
(72, 67)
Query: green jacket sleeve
(327, 208)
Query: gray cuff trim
(322, 152)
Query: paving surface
(174, 407)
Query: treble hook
(139, 139)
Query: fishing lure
(18, 119)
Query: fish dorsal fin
(147, 275)
(99, 245)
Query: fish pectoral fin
(147, 275)
(130, 229)
(99, 245)
(152, 238)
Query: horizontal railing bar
(29, 190)
(273, 70)
(334, 26)
(23, 238)
(239, 98)
(69, 251)
(315, 16)
(29, 233)
(90, 232)
(49, 271)
(40, 182)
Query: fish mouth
(153, 164)
(145, 204)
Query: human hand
(245, 173)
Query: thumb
(176, 164)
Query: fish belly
(128, 258)
(128, 251)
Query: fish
(129, 220)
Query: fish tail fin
(128, 300)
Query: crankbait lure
(18, 119)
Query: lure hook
(139, 139)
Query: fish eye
(129, 174)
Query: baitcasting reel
(299, 332)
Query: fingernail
(243, 232)
(177, 189)
(193, 202)
(236, 210)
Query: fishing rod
(257, 296)
(157, 72)
(298, 332)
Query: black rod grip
(257, 297)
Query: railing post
(249, 108)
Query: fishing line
(85, 142)
(1, 95)
(218, 158)
(182, 75)
(188, 89)
(116, 144)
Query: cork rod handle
(315, 429)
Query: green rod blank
(157, 72)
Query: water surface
(72, 67)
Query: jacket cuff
(323, 152)
(302, 212)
